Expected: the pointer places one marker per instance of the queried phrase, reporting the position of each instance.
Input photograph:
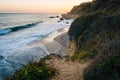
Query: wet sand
(54, 43)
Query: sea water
(18, 30)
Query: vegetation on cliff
(110, 6)
(96, 35)
(104, 68)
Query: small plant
(73, 57)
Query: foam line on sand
(52, 43)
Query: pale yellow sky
(38, 6)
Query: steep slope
(96, 35)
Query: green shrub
(34, 71)
(104, 68)
(73, 57)
(83, 56)
(87, 55)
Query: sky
(38, 6)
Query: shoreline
(39, 49)
(53, 42)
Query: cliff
(95, 35)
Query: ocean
(18, 30)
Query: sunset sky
(38, 6)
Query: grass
(34, 71)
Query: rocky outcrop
(69, 16)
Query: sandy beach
(55, 43)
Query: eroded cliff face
(73, 47)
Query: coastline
(54, 42)
(37, 50)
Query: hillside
(110, 6)
(96, 35)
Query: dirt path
(67, 70)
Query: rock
(51, 17)
(67, 22)
(61, 19)
(54, 17)
(58, 21)
(70, 16)
(1, 57)
(57, 16)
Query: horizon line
(29, 13)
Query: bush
(34, 71)
(86, 55)
(73, 57)
(104, 68)
(83, 23)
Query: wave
(17, 28)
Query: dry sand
(54, 42)
(51, 45)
